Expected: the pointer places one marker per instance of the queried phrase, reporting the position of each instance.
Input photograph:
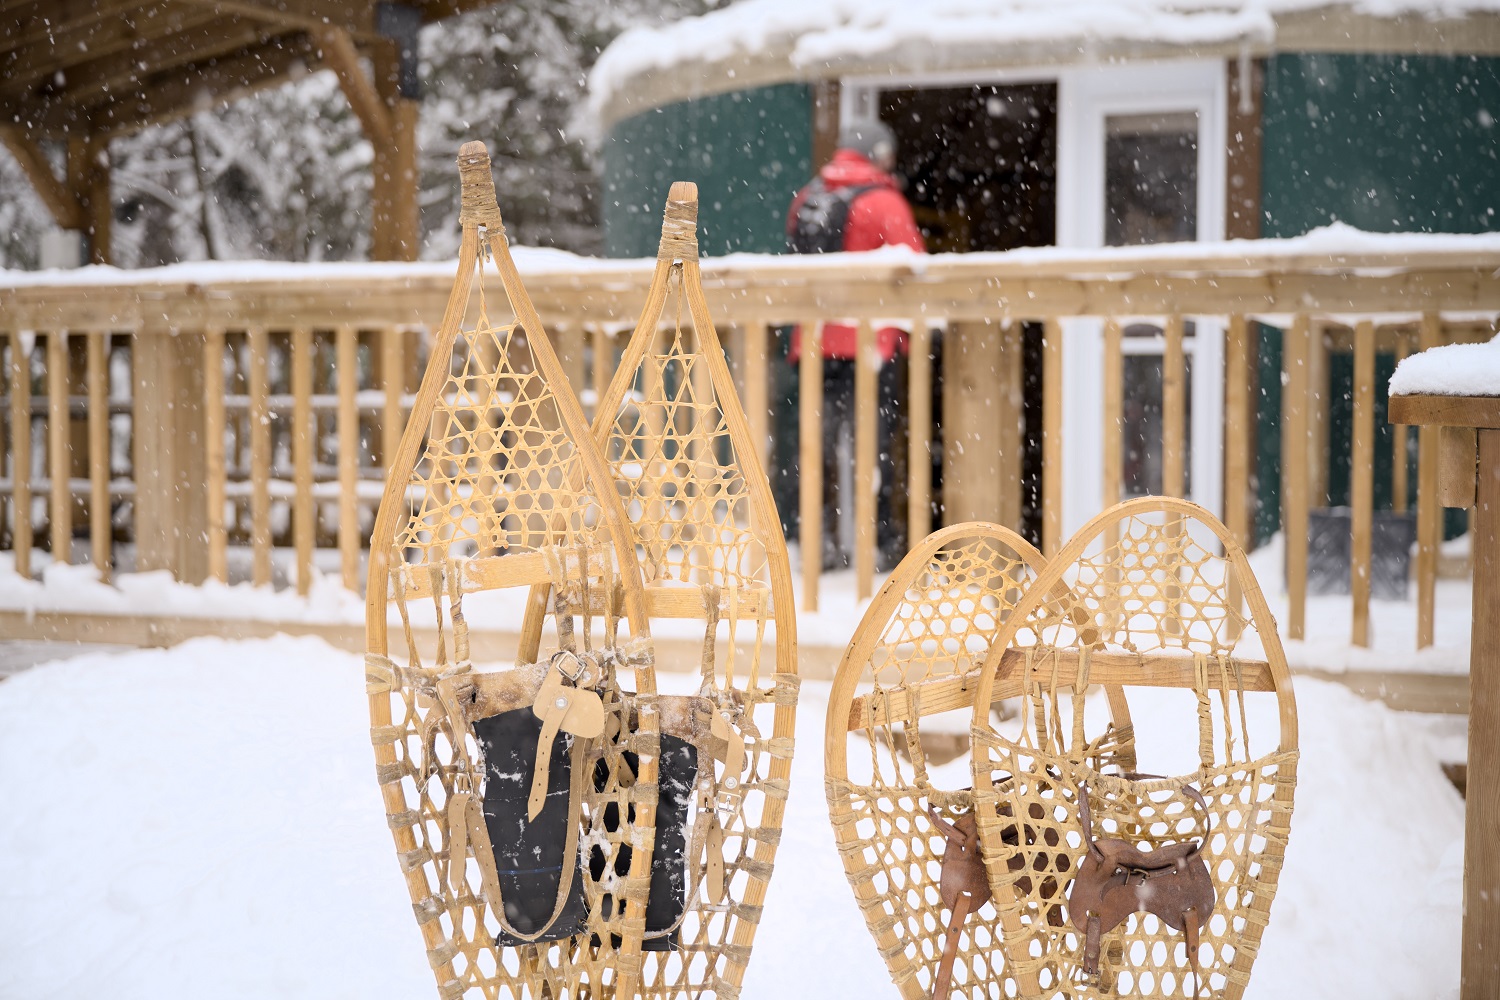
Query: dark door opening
(980, 166)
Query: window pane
(1151, 178)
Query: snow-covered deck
(204, 821)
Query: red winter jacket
(877, 219)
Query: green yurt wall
(749, 151)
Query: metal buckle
(563, 657)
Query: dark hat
(867, 137)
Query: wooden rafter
(110, 66)
(122, 72)
(340, 55)
(65, 209)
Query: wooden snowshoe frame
(917, 653)
(709, 541)
(1137, 598)
(497, 484)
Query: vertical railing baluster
(919, 435)
(866, 406)
(810, 461)
(1362, 479)
(101, 527)
(1294, 491)
(346, 375)
(20, 449)
(260, 456)
(59, 447)
(1173, 411)
(213, 450)
(1114, 418)
(1429, 510)
(393, 380)
(1237, 417)
(304, 510)
(1052, 441)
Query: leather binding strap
(1112, 883)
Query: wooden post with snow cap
(1469, 464)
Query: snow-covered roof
(758, 42)
(1453, 370)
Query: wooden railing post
(1362, 479)
(304, 510)
(1429, 509)
(101, 526)
(810, 461)
(866, 416)
(171, 504)
(20, 448)
(1052, 442)
(59, 447)
(919, 435)
(1294, 473)
(346, 374)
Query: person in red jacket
(854, 204)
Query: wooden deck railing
(204, 415)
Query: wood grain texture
(20, 450)
(1458, 463)
(1237, 424)
(1446, 411)
(1362, 481)
(1481, 958)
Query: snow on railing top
(1452, 370)
(1334, 247)
(811, 37)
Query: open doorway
(980, 168)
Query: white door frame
(1086, 97)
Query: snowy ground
(1393, 624)
(203, 821)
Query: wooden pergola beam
(358, 20)
(66, 211)
(340, 55)
(121, 73)
(197, 86)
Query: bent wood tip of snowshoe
(477, 204)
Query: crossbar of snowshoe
(1160, 670)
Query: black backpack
(822, 218)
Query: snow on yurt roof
(758, 42)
